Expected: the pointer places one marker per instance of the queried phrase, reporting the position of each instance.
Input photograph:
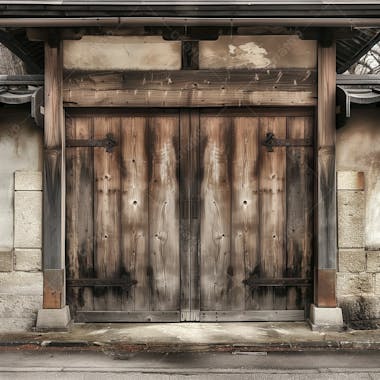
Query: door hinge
(108, 143)
(271, 141)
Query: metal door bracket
(271, 141)
(108, 143)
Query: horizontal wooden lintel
(191, 88)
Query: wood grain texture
(107, 214)
(272, 174)
(191, 88)
(326, 224)
(134, 208)
(215, 223)
(299, 208)
(54, 175)
(164, 213)
(245, 210)
(79, 213)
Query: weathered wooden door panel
(190, 216)
(126, 255)
(256, 218)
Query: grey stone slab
(351, 213)
(28, 219)
(354, 284)
(12, 305)
(28, 180)
(21, 283)
(28, 260)
(16, 324)
(352, 260)
(330, 318)
(373, 261)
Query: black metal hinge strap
(108, 143)
(253, 282)
(271, 141)
(100, 282)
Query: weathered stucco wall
(358, 165)
(122, 53)
(20, 219)
(258, 52)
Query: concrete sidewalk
(174, 337)
(204, 366)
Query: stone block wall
(20, 267)
(358, 277)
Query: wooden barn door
(191, 215)
(256, 222)
(123, 216)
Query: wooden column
(326, 219)
(54, 182)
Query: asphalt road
(204, 366)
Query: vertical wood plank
(194, 215)
(54, 177)
(299, 204)
(134, 206)
(79, 213)
(245, 220)
(272, 174)
(326, 228)
(185, 212)
(164, 213)
(215, 221)
(107, 213)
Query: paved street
(205, 366)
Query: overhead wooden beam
(326, 223)
(54, 183)
(191, 88)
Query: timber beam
(54, 312)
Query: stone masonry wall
(20, 268)
(358, 277)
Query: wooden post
(326, 219)
(54, 182)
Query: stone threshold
(193, 337)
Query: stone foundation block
(360, 312)
(351, 207)
(28, 180)
(28, 219)
(326, 318)
(12, 305)
(28, 260)
(373, 262)
(352, 260)
(6, 261)
(21, 283)
(350, 180)
(8, 325)
(53, 319)
(354, 284)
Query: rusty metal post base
(53, 319)
(326, 318)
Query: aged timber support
(55, 314)
(324, 313)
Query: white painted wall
(358, 149)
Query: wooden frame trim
(54, 289)
(326, 214)
(191, 88)
(253, 316)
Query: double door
(189, 215)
